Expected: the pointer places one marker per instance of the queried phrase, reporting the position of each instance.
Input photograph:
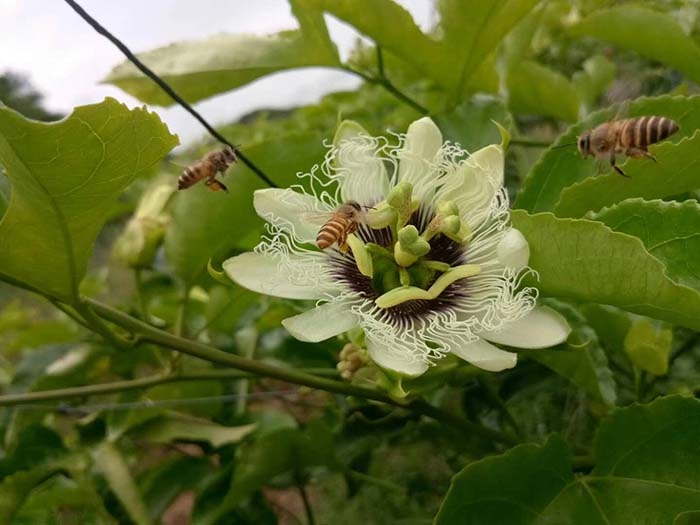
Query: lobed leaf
(641, 475)
(200, 69)
(65, 177)
(670, 232)
(587, 261)
(558, 168)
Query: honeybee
(346, 219)
(629, 136)
(207, 168)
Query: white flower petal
(483, 354)
(361, 172)
(422, 143)
(263, 273)
(391, 359)
(542, 327)
(513, 251)
(292, 211)
(478, 179)
(321, 323)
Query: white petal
(358, 167)
(478, 179)
(542, 327)
(388, 357)
(483, 354)
(263, 273)
(321, 323)
(423, 141)
(513, 251)
(292, 211)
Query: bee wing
(317, 217)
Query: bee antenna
(369, 207)
(563, 145)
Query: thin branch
(380, 61)
(70, 312)
(258, 368)
(62, 394)
(98, 326)
(305, 499)
(167, 88)
(140, 296)
(391, 88)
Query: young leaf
(534, 89)
(203, 68)
(648, 346)
(641, 475)
(675, 171)
(587, 261)
(558, 168)
(65, 177)
(650, 33)
(173, 426)
(670, 232)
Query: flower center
(408, 257)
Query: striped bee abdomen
(333, 230)
(188, 178)
(640, 132)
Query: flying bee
(346, 219)
(207, 168)
(630, 137)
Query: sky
(65, 59)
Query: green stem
(305, 499)
(208, 353)
(391, 88)
(366, 478)
(70, 312)
(136, 384)
(140, 296)
(98, 326)
(380, 61)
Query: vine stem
(135, 384)
(305, 499)
(258, 368)
(167, 88)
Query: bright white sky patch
(65, 58)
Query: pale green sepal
(347, 130)
(219, 276)
(505, 135)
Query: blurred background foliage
(217, 446)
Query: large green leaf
(670, 232)
(676, 171)
(207, 225)
(65, 177)
(641, 476)
(581, 359)
(470, 124)
(534, 89)
(587, 261)
(650, 33)
(561, 167)
(473, 30)
(202, 68)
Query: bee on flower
(433, 268)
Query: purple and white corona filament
(434, 269)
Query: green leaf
(675, 172)
(558, 168)
(472, 31)
(113, 466)
(16, 488)
(470, 124)
(65, 177)
(512, 488)
(648, 346)
(641, 475)
(582, 360)
(587, 261)
(207, 225)
(670, 232)
(180, 427)
(598, 73)
(534, 89)
(200, 69)
(650, 33)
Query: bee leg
(638, 153)
(215, 185)
(616, 167)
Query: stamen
(410, 246)
(362, 256)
